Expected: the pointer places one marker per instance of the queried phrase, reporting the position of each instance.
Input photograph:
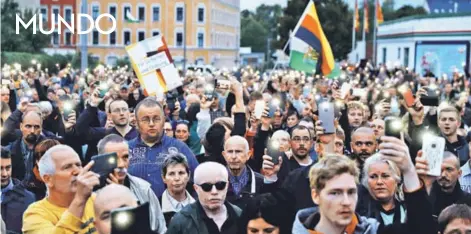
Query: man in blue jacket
(15, 198)
(149, 149)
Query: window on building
(95, 12)
(155, 33)
(384, 55)
(200, 40)
(112, 60)
(398, 53)
(44, 14)
(95, 37)
(141, 36)
(113, 11)
(55, 38)
(141, 13)
(156, 13)
(68, 38)
(406, 56)
(179, 14)
(127, 10)
(200, 14)
(113, 38)
(127, 38)
(179, 38)
(55, 12)
(68, 15)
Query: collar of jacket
(363, 225)
(17, 192)
(139, 142)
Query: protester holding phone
(69, 203)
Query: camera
(128, 220)
(393, 127)
(104, 165)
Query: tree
(253, 34)
(25, 41)
(335, 18)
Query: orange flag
(366, 25)
(379, 13)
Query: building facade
(66, 41)
(438, 42)
(212, 29)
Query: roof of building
(429, 16)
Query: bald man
(211, 213)
(243, 181)
(111, 197)
(22, 149)
(363, 145)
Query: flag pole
(365, 13)
(265, 83)
(353, 27)
(374, 33)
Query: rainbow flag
(309, 46)
(379, 13)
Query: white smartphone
(345, 89)
(259, 108)
(358, 92)
(433, 148)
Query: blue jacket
(14, 205)
(146, 162)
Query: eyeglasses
(119, 110)
(207, 187)
(147, 120)
(299, 139)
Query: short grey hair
(280, 133)
(46, 165)
(45, 106)
(239, 138)
(393, 168)
(175, 159)
(112, 138)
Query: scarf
(239, 182)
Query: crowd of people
(235, 152)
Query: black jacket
(190, 221)
(14, 204)
(440, 200)
(247, 192)
(17, 158)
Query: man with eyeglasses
(168, 128)
(211, 213)
(118, 112)
(152, 145)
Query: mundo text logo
(71, 26)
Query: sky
(252, 4)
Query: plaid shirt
(216, 114)
(465, 179)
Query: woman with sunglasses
(35, 184)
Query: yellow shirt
(44, 217)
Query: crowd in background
(240, 151)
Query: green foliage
(335, 18)
(25, 41)
(258, 26)
(121, 62)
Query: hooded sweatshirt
(310, 217)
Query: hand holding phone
(104, 165)
(259, 109)
(433, 148)
(326, 116)
(273, 150)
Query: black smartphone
(273, 150)
(103, 88)
(127, 220)
(171, 101)
(393, 126)
(67, 112)
(209, 92)
(104, 165)
(432, 98)
(327, 115)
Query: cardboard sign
(433, 148)
(153, 64)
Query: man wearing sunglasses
(211, 213)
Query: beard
(31, 138)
